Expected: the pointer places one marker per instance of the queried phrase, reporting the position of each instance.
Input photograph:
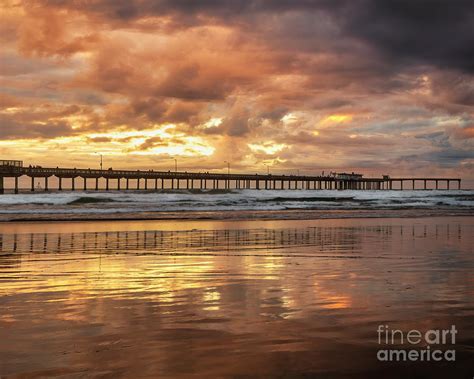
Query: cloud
(446, 157)
(463, 133)
(421, 32)
(12, 129)
(363, 81)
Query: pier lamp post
(175, 165)
(268, 168)
(101, 161)
(227, 182)
(228, 167)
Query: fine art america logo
(430, 343)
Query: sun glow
(161, 139)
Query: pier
(88, 179)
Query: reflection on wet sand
(261, 300)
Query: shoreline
(246, 215)
(99, 226)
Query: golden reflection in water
(188, 299)
(331, 300)
(211, 299)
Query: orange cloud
(286, 82)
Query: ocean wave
(281, 199)
(91, 202)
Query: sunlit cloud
(336, 119)
(213, 122)
(289, 118)
(269, 148)
(274, 161)
(304, 83)
(163, 140)
(11, 110)
(138, 135)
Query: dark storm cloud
(154, 142)
(424, 31)
(237, 125)
(447, 157)
(151, 107)
(188, 82)
(225, 9)
(453, 87)
(274, 114)
(159, 111)
(433, 32)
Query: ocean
(233, 204)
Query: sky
(357, 85)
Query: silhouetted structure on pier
(156, 180)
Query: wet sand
(214, 298)
(242, 215)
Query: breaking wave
(91, 202)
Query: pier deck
(148, 180)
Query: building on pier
(346, 176)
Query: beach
(232, 298)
